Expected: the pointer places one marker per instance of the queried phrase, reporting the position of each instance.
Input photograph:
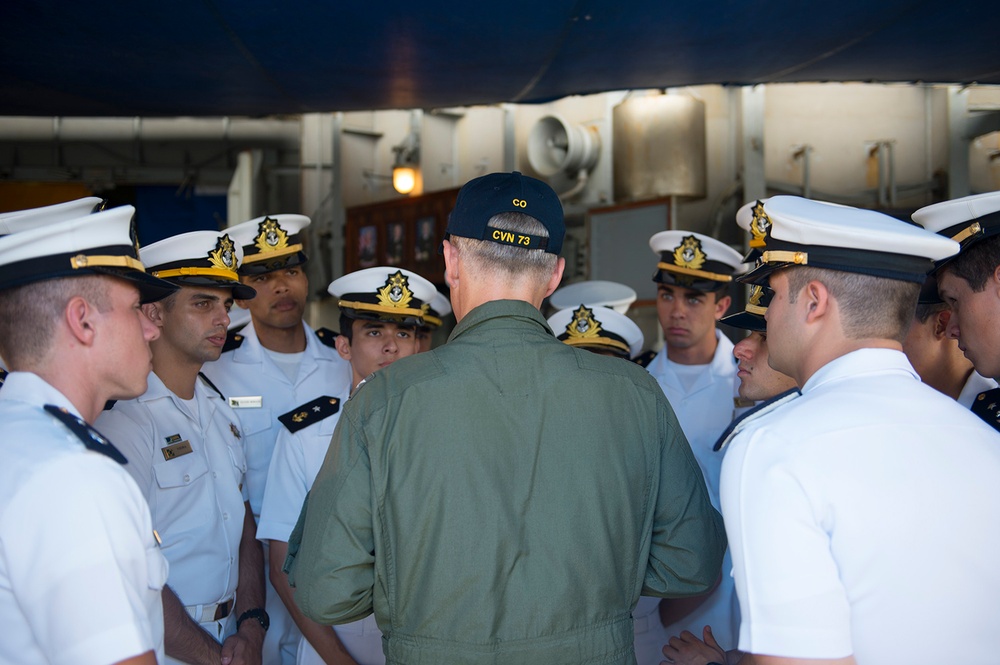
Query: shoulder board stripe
(761, 409)
(91, 438)
(233, 341)
(327, 336)
(310, 413)
(643, 359)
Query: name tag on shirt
(247, 402)
(176, 450)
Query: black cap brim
(273, 264)
(745, 321)
(240, 291)
(151, 289)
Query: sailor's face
(975, 320)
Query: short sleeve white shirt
(80, 570)
(862, 519)
(297, 459)
(249, 372)
(705, 408)
(191, 471)
(975, 384)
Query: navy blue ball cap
(489, 195)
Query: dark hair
(977, 262)
(925, 311)
(347, 327)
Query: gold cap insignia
(224, 256)
(759, 225)
(754, 302)
(583, 325)
(689, 254)
(396, 292)
(270, 236)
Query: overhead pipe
(24, 129)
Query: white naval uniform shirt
(862, 518)
(80, 571)
(247, 371)
(296, 461)
(704, 411)
(197, 497)
(975, 384)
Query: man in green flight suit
(504, 498)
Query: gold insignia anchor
(396, 292)
(759, 225)
(689, 254)
(583, 325)
(270, 236)
(224, 256)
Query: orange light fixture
(404, 179)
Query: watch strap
(257, 613)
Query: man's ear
(941, 320)
(154, 312)
(816, 300)
(79, 315)
(556, 277)
(995, 278)
(450, 264)
(722, 306)
(343, 346)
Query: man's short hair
(494, 257)
(977, 262)
(871, 307)
(925, 311)
(29, 313)
(721, 291)
(347, 327)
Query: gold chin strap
(756, 309)
(253, 258)
(120, 261)
(382, 309)
(969, 231)
(206, 272)
(432, 321)
(697, 273)
(598, 341)
(784, 256)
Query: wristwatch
(257, 613)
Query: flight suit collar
(499, 309)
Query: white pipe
(74, 129)
(581, 182)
